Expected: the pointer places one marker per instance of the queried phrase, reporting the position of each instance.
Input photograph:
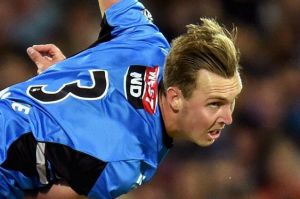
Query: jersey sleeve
(127, 15)
(128, 19)
(118, 178)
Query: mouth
(214, 134)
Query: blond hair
(207, 46)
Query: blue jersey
(92, 120)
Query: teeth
(214, 132)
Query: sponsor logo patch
(148, 15)
(141, 87)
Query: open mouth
(214, 134)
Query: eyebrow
(220, 98)
(217, 98)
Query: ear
(174, 98)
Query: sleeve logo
(141, 87)
(148, 15)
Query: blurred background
(258, 157)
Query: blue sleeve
(128, 16)
(7, 186)
(118, 178)
(130, 20)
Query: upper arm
(105, 4)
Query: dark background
(257, 157)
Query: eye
(215, 104)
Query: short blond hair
(207, 46)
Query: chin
(204, 143)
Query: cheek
(209, 116)
(199, 119)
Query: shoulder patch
(141, 87)
(148, 14)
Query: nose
(226, 116)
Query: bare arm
(105, 4)
(57, 191)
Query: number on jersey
(74, 89)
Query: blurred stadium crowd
(258, 157)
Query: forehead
(215, 86)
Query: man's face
(209, 109)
